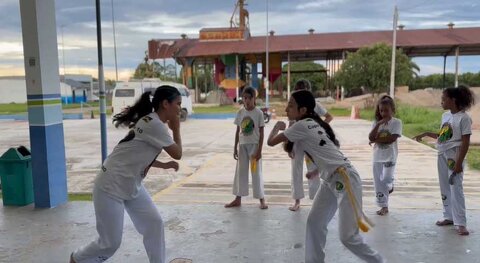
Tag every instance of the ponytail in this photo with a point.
(145, 105)
(305, 98)
(132, 114)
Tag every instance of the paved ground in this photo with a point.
(212, 234)
(198, 226)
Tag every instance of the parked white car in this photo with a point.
(125, 94)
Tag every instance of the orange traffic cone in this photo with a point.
(355, 113)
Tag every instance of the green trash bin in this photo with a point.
(16, 177)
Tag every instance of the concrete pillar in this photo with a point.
(457, 54)
(44, 102)
(237, 78)
(288, 76)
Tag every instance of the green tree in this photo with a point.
(148, 69)
(316, 76)
(436, 80)
(369, 67)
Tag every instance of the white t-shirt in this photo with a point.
(124, 169)
(311, 138)
(453, 127)
(383, 152)
(249, 123)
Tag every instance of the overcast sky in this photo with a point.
(137, 21)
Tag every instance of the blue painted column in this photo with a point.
(44, 102)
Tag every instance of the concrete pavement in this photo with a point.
(198, 227)
(213, 234)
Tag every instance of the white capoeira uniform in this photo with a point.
(454, 126)
(297, 168)
(384, 161)
(341, 189)
(118, 187)
(250, 123)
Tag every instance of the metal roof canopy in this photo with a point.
(321, 46)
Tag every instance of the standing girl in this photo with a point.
(297, 159)
(385, 132)
(118, 186)
(341, 185)
(249, 134)
(453, 141)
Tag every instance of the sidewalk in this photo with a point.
(213, 234)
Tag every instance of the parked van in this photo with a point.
(125, 94)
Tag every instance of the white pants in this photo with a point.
(383, 177)
(333, 195)
(452, 195)
(240, 182)
(109, 212)
(297, 176)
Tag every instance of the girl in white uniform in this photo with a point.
(249, 135)
(297, 159)
(384, 134)
(341, 187)
(118, 186)
(453, 142)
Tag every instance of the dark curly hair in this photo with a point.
(464, 97)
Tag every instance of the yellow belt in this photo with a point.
(362, 220)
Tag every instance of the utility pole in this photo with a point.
(114, 44)
(101, 84)
(267, 80)
(394, 47)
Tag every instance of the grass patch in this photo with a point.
(339, 112)
(16, 108)
(473, 157)
(73, 197)
(216, 109)
(418, 119)
(13, 108)
(80, 197)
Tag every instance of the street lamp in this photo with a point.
(114, 44)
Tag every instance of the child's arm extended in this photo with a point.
(462, 152)
(258, 155)
(167, 165)
(419, 137)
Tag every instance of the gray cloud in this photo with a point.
(139, 21)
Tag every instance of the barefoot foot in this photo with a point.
(382, 211)
(234, 203)
(444, 222)
(461, 230)
(294, 207)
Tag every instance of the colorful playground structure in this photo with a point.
(235, 54)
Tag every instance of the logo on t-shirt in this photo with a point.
(247, 125)
(446, 133)
(383, 134)
(339, 186)
(451, 164)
